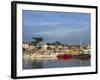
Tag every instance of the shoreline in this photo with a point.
(54, 56)
(39, 56)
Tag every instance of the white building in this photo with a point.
(31, 47)
(48, 45)
(25, 46)
(28, 46)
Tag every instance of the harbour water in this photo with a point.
(29, 63)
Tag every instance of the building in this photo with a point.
(25, 46)
(48, 46)
(31, 47)
(28, 46)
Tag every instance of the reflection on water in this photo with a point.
(53, 63)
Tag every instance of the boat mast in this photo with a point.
(80, 44)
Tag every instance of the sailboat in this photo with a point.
(84, 54)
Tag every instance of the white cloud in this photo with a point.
(61, 32)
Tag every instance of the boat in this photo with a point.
(84, 55)
(64, 56)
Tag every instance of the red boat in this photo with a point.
(64, 56)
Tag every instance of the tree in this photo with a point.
(24, 49)
(49, 48)
(58, 43)
(36, 40)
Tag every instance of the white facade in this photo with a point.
(31, 47)
(25, 45)
(45, 46)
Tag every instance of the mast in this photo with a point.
(81, 45)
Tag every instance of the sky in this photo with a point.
(66, 27)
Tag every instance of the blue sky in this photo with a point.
(66, 27)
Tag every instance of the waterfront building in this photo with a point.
(28, 46)
(25, 46)
(31, 47)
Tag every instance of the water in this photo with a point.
(53, 63)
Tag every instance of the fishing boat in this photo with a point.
(84, 55)
(64, 56)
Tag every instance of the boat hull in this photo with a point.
(64, 56)
(83, 56)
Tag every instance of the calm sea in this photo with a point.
(53, 63)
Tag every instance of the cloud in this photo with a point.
(56, 26)
(61, 33)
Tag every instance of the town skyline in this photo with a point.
(66, 27)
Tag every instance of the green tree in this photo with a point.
(36, 40)
(57, 43)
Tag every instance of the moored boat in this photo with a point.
(64, 56)
(84, 55)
